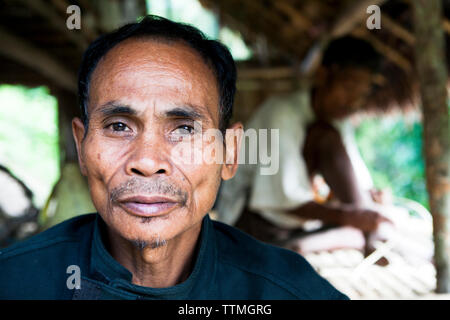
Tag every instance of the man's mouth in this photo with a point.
(147, 206)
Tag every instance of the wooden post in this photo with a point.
(67, 110)
(70, 196)
(432, 71)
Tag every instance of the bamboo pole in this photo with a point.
(432, 71)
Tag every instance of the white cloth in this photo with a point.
(290, 187)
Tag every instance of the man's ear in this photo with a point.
(78, 131)
(233, 140)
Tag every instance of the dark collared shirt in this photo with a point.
(229, 264)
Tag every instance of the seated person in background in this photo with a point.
(314, 138)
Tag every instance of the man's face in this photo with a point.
(144, 99)
(343, 92)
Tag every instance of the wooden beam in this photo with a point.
(272, 26)
(432, 70)
(20, 51)
(350, 16)
(299, 20)
(266, 73)
(397, 29)
(390, 53)
(56, 21)
(255, 85)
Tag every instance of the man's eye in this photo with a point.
(184, 129)
(118, 126)
(182, 132)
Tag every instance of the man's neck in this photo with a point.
(161, 267)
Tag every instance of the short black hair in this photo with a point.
(214, 53)
(351, 52)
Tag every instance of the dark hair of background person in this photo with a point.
(215, 55)
(351, 52)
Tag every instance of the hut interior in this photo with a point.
(287, 39)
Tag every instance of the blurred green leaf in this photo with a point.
(392, 150)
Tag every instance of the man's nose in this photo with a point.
(148, 159)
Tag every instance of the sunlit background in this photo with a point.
(29, 137)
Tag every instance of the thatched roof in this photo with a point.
(287, 32)
(38, 48)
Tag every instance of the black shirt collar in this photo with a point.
(104, 268)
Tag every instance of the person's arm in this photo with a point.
(344, 215)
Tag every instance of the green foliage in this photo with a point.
(29, 137)
(392, 150)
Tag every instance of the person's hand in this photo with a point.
(366, 220)
(381, 196)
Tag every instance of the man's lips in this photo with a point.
(145, 206)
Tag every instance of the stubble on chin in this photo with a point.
(156, 243)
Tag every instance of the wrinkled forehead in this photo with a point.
(149, 70)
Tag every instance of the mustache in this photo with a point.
(137, 186)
